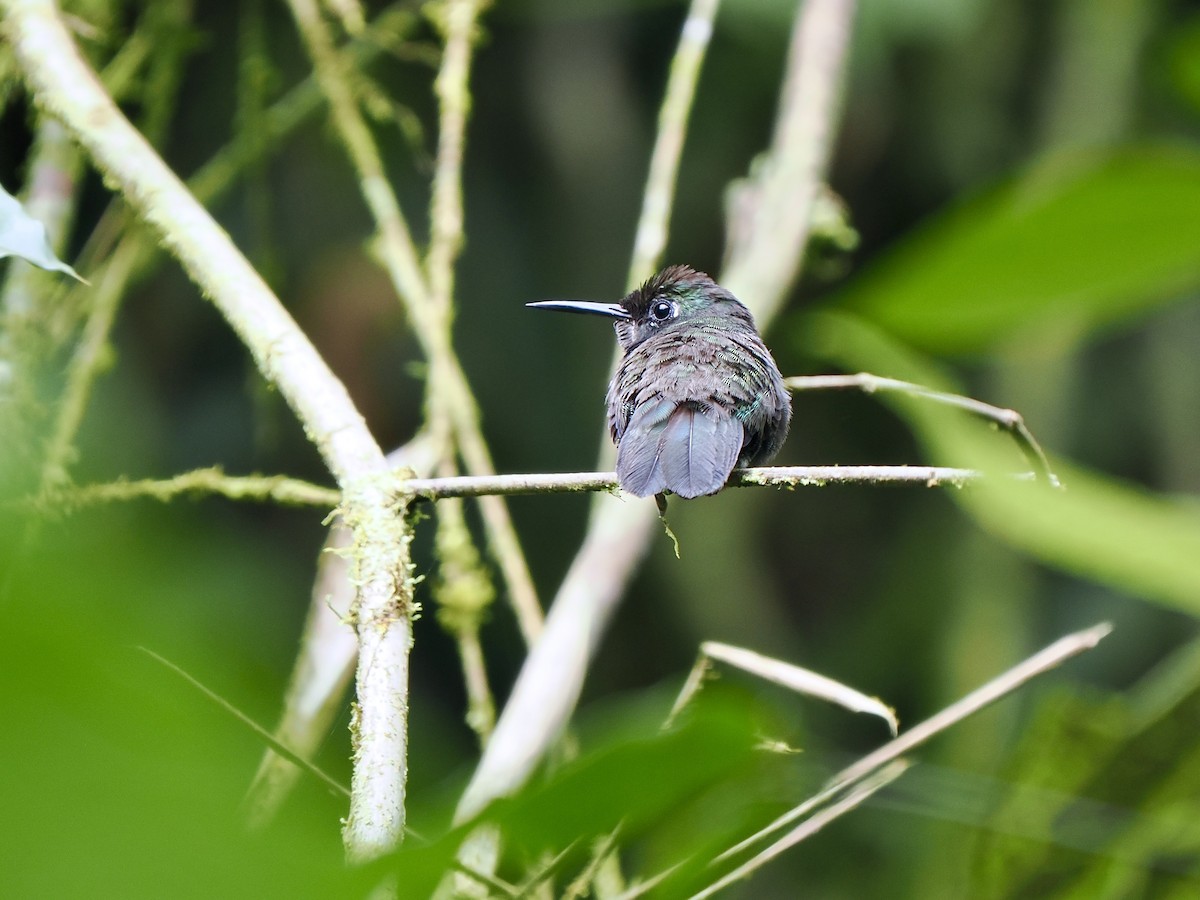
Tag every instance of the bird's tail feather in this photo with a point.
(686, 448)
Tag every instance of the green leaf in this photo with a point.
(1182, 55)
(1076, 239)
(24, 237)
(642, 779)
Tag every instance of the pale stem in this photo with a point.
(774, 209)
(325, 664)
(457, 19)
(618, 536)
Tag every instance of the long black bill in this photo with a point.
(612, 310)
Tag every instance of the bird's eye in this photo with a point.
(662, 310)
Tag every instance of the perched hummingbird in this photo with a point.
(696, 392)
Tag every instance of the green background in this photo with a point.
(1024, 178)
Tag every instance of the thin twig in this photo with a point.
(673, 117)
(1041, 662)
(809, 827)
(294, 492)
(769, 476)
(1038, 664)
(796, 678)
(265, 736)
(1008, 419)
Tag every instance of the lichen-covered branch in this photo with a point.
(199, 482)
(457, 20)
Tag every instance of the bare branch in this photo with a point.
(1038, 664)
(1008, 419)
(796, 678)
(767, 476)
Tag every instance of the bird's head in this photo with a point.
(668, 300)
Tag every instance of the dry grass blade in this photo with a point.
(798, 679)
(1040, 663)
(809, 827)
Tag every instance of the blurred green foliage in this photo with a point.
(1024, 177)
(1077, 239)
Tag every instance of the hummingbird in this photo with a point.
(696, 392)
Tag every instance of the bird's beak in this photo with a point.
(612, 310)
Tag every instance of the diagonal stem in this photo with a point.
(399, 257)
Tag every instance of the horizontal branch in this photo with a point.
(772, 476)
(264, 488)
(295, 492)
